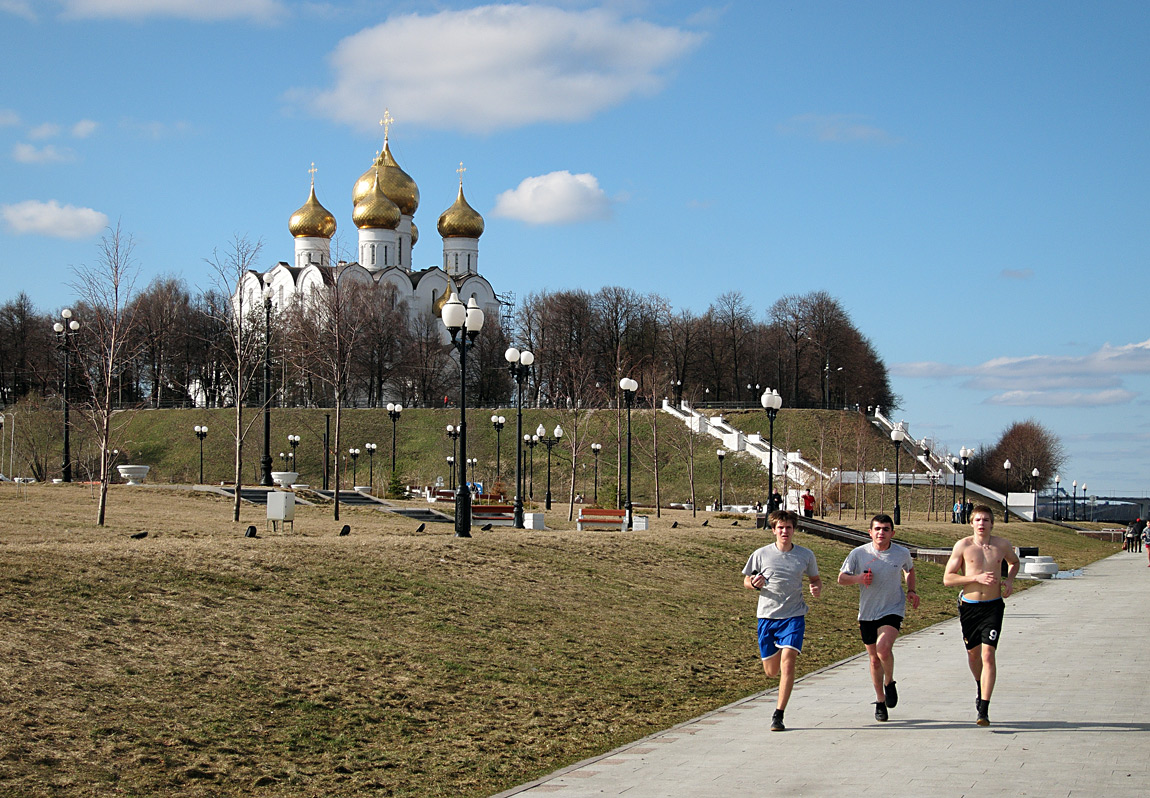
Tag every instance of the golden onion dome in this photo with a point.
(375, 210)
(312, 220)
(460, 220)
(437, 306)
(414, 234)
(396, 183)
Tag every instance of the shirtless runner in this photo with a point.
(975, 565)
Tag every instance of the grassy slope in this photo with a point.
(197, 662)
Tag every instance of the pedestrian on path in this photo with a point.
(1146, 540)
(878, 568)
(975, 565)
(776, 572)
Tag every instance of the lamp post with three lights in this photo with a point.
(464, 324)
(519, 363)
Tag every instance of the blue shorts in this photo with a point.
(776, 633)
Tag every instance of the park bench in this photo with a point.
(599, 517)
(497, 514)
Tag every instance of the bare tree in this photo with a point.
(106, 290)
(232, 309)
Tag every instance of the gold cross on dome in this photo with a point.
(460, 171)
(312, 172)
(385, 123)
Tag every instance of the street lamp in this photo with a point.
(393, 411)
(771, 402)
(629, 387)
(371, 447)
(954, 462)
(1084, 502)
(453, 433)
(1034, 487)
(1057, 481)
(1073, 500)
(596, 448)
(201, 433)
(1006, 498)
(519, 364)
(464, 324)
(897, 436)
(721, 453)
(266, 460)
(497, 422)
(354, 466)
(965, 454)
(531, 441)
(451, 471)
(293, 441)
(549, 442)
(472, 461)
(65, 332)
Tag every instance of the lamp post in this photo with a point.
(498, 422)
(965, 454)
(595, 449)
(201, 433)
(472, 461)
(519, 363)
(531, 441)
(393, 411)
(1073, 500)
(354, 453)
(293, 441)
(453, 433)
(1034, 487)
(464, 324)
(549, 443)
(897, 436)
(925, 445)
(451, 470)
(65, 332)
(370, 447)
(1006, 498)
(1057, 481)
(266, 460)
(771, 402)
(721, 453)
(1084, 503)
(629, 387)
(954, 461)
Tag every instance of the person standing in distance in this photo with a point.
(975, 565)
(878, 569)
(776, 572)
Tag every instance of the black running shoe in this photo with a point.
(777, 721)
(891, 693)
(983, 713)
(880, 711)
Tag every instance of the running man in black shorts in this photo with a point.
(975, 565)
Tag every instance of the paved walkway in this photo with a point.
(1070, 715)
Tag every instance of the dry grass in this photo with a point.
(197, 662)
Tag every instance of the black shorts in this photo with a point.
(981, 622)
(870, 629)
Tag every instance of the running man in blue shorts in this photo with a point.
(776, 571)
(975, 565)
(878, 569)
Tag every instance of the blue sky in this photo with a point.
(970, 179)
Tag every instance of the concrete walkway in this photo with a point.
(1070, 715)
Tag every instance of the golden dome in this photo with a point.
(312, 220)
(396, 183)
(460, 220)
(375, 210)
(437, 306)
(414, 234)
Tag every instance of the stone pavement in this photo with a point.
(1070, 715)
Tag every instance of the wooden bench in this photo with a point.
(597, 517)
(497, 514)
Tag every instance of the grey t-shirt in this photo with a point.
(782, 594)
(884, 596)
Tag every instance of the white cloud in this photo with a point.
(1017, 274)
(47, 130)
(497, 66)
(49, 153)
(19, 8)
(198, 10)
(52, 219)
(555, 198)
(1062, 398)
(8, 118)
(836, 128)
(84, 128)
(156, 131)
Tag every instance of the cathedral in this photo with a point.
(384, 201)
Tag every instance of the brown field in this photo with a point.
(197, 662)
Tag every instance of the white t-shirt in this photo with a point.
(883, 596)
(782, 594)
